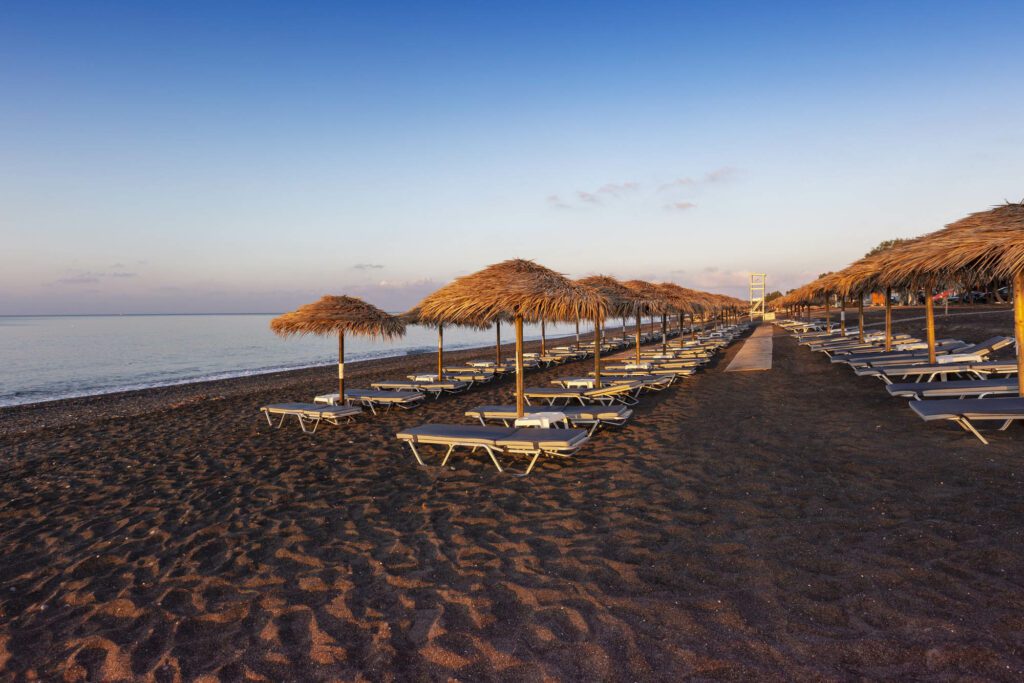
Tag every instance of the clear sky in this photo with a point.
(199, 157)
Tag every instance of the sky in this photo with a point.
(250, 157)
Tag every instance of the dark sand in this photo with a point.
(791, 524)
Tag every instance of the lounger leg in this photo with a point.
(448, 454)
(490, 452)
(966, 424)
(415, 453)
(1005, 425)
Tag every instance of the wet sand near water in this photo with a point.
(796, 523)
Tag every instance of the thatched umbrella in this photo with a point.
(683, 301)
(647, 299)
(987, 244)
(877, 272)
(618, 300)
(517, 288)
(339, 315)
(414, 316)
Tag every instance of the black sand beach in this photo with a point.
(791, 524)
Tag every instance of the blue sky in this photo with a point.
(169, 157)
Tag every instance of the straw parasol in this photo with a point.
(520, 289)
(618, 302)
(414, 316)
(683, 300)
(339, 315)
(647, 299)
(987, 244)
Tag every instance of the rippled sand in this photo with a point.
(797, 523)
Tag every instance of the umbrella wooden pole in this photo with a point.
(842, 315)
(828, 313)
(1018, 326)
(860, 320)
(664, 333)
(341, 368)
(577, 334)
(497, 343)
(693, 328)
(440, 353)
(888, 318)
(929, 315)
(638, 323)
(543, 339)
(597, 354)
(520, 404)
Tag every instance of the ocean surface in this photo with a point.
(43, 358)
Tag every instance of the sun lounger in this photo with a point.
(375, 398)
(471, 375)
(968, 353)
(648, 369)
(309, 413)
(975, 388)
(529, 441)
(625, 392)
(468, 372)
(591, 416)
(930, 373)
(433, 388)
(650, 382)
(877, 357)
(964, 411)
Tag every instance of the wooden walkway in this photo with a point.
(756, 352)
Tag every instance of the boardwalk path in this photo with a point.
(756, 353)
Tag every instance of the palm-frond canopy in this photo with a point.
(510, 289)
(339, 314)
(647, 299)
(984, 245)
(618, 298)
(683, 300)
(414, 316)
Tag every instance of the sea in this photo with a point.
(47, 358)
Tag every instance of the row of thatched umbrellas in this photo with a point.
(982, 247)
(514, 291)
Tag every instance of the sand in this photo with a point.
(796, 523)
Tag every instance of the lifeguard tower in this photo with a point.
(758, 281)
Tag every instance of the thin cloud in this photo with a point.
(88, 277)
(617, 189)
(721, 175)
(368, 266)
(678, 182)
(78, 280)
(588, 197)
(680, 206)
(555, 201)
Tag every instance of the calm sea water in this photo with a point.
(43, 358)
